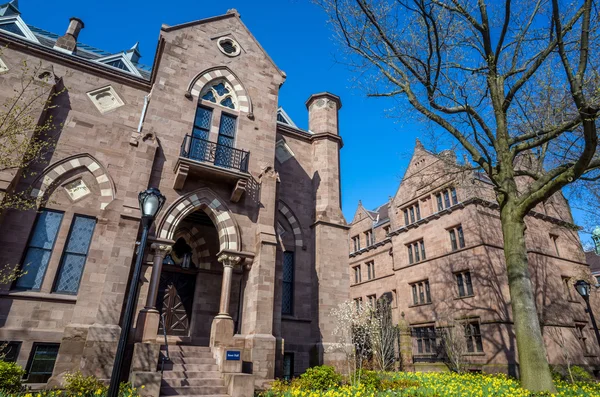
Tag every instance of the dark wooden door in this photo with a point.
(175, 300)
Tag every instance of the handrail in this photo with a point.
(221, 155)
(167, 357)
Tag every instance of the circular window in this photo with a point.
(228, 46)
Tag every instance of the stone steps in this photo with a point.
(191, 371)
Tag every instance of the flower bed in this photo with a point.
(437, 384)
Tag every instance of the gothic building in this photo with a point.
(434, 250)
(239, 258)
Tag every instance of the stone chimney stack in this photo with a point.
(323, 113)
(68, 42)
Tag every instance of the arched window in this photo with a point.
(221, 93)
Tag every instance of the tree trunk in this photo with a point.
(533, 363)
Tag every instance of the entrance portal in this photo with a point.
(175, 300)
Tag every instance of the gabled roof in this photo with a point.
(593, 260)
(282, 117)
(231, 13)
(12, 24)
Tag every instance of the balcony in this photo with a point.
(210, 160)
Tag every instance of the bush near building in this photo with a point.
(430, 384)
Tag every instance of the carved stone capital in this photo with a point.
(229, 260)
(161, 249)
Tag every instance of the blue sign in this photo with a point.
(232, 355)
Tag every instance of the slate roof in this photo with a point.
(48, 39)
(593, 260)
(381, 214)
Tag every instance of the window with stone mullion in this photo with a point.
(288, 283)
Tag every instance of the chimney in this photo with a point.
(68, 42)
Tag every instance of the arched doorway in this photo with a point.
(190, 292)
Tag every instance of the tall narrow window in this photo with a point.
(465, 286)
(421, 293)
(356, 243)
(358, 303)
(9, 351)
(39, 249)
(580, 333)
(288, 283)
(369, 237)
(288, 366)
(418, 210)
(410, 254)
(422, 244)
(198, 146)
(439, 201)
(461, 237)
(417, 256)
(406, 217)
(41, 362)
(412, 214)
(425, 340)
(453, 240)
(75, 254)
(454, 198)
(446, 199)
(225, 141)
(372, 300)
(567, 287)
(371, 270)
(473, 336)
(357, 275)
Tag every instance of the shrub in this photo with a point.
(10, 377)
(319, 378)
(581, 375)
(369, 379)
(76, 383)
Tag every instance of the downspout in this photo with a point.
(144, 109)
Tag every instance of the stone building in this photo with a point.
(239, 257)
(435, 250)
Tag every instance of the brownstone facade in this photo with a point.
(436, 250)
(240, 257)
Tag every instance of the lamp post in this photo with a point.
(583, 288)
(151, 201)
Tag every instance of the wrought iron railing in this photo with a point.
(165, 356)
(220, 155)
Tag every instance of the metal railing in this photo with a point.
(218, 154)
(165, 356)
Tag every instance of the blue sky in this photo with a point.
(296, 35)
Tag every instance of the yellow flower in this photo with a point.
(142, 387)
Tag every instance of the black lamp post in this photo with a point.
(583, 288)
(151, 201)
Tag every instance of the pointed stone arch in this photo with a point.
(208, 201)
(293, 221)
(48, 178)
(221, 72)
(199, 246)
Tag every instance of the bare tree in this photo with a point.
(556, 334)
(515, 82)
(454, 343)
(385, 335)
(25, 128)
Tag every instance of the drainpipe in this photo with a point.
(143, 116)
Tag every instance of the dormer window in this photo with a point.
(12, 27)
(118, 63)
(220, 93)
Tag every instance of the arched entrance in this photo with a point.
(199, 283)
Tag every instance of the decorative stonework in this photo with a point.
(105, 99)
(293, 221)
(202, 79)
(3, 67)
(76, 189)
(229, 46)
(206, 200)
(51, 175)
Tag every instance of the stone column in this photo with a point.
(221, 332)
(149, 318)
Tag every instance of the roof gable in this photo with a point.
(232, 13)
(361, 213)
(12, 23)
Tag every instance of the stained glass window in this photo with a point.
(220, 92)
(39, 249)
(288, 283)
(75, 254)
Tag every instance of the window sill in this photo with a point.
(421, 304)
(464, 297)
(287, 317)
(474, 354)
(32, 295)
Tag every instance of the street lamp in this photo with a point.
(583, 288)
(151, 201)
(596, 238)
